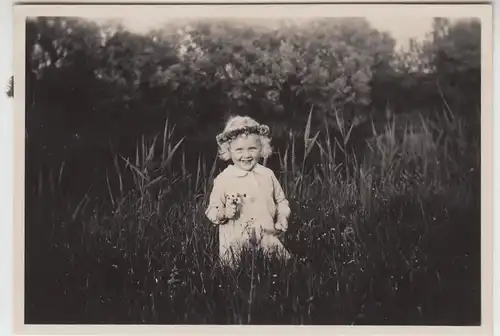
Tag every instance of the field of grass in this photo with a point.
(391, 238)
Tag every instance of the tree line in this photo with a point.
(91, 85)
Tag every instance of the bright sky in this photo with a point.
(401, 28)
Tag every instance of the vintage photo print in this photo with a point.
(188, 168)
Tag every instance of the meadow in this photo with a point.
(387, 235)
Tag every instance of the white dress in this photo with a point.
(262, 203)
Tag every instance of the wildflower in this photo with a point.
(235, 199)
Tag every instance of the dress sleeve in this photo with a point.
(282, 205)
(216, 205)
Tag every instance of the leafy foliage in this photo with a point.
(444, 66)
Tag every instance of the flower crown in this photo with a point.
(230, 135)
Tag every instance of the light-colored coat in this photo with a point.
(262, 202)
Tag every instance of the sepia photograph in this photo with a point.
(244, 168)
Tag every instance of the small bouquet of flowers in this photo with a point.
(234, 200)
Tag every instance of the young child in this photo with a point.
(247, 200)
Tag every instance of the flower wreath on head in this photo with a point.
(230, 135)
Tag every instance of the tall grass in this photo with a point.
(389, 239)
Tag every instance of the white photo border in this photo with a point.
(481, 11)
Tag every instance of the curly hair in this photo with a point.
(239, 126)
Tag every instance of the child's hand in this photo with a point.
(232, 203)
(281, 225)
(230, 211)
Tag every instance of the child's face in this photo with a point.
(245, 151)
